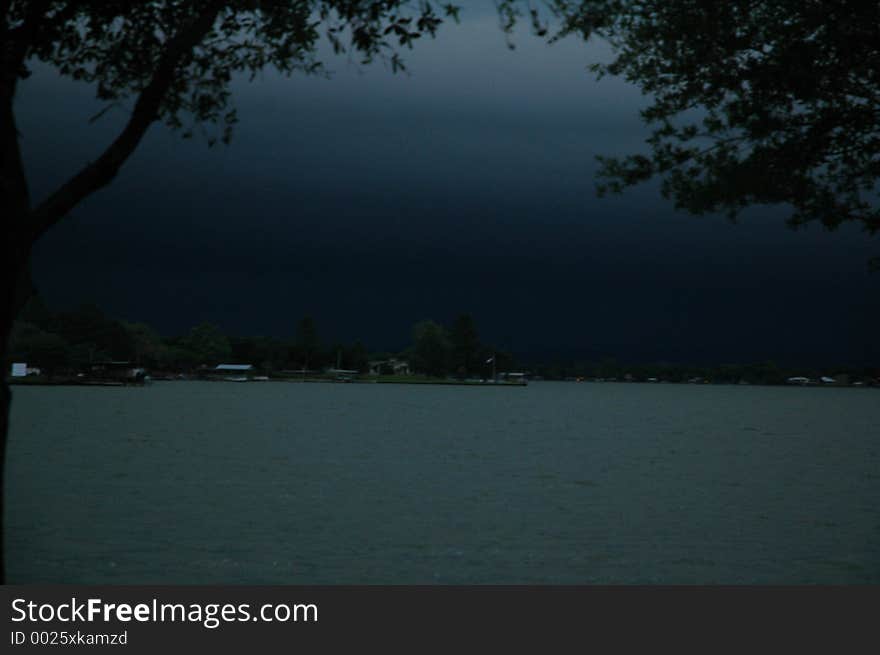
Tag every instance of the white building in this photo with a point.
(398, 366)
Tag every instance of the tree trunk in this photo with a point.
(5, 405)
(15, 285)
(14, 292)
(21, 226)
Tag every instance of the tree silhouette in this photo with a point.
(431, 349)
(208, 344)
(465, 344)
(175, 60)
(306, 342)
(752, 102)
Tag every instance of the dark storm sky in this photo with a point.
(371, 201)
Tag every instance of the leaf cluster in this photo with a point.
(118, 45)
(751, 101)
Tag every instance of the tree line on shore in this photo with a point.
(765, 373)
(75, 340)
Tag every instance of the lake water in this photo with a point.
(554, 483)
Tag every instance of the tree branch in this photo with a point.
(101, 172)
(13, 183)
(15, 44)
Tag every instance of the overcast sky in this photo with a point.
(370, 201)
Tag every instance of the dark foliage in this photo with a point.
(752, 102)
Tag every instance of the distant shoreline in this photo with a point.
(26, 382)
(31, 382)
